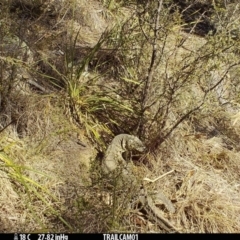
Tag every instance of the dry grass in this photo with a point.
(38, 168)
(205, 186)
(45, 173)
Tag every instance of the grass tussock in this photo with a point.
(36, 170)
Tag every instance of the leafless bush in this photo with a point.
(163, 70)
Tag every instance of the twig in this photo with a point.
(6, 126)
(154, 180)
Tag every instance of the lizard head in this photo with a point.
(135, 143)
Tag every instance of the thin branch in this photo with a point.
(154, 56)
(154, 180)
